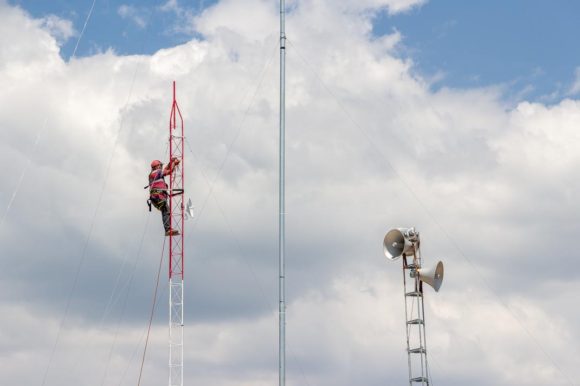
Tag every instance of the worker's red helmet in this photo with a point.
(155, 164)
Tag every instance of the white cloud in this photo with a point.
(170, 6)
(393, 6)
(32, 52)
(228, 19)
(575, 88)
(183, 16)
(61, 29)
(137, 16)
(491, 189)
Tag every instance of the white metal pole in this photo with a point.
(281, 200)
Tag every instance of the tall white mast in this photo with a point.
(281, 193)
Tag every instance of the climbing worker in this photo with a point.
(158, 191)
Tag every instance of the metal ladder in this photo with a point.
(415, 321)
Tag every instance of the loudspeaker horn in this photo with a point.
(432, 276)
(398, 241)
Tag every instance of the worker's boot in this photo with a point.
(172, 232)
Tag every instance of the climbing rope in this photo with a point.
(154, 302)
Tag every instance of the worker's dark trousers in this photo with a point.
(163, 206)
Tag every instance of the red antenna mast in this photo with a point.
(176, 210)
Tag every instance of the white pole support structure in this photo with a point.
(176, 208)
(405, 243)
(415, 319)
(281, 200)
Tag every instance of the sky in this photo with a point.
(460, 119)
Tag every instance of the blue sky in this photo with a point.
(108, 28)
(477, 43)
(527, 47)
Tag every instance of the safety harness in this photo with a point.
(157, 190)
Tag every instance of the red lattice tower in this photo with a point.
(176, 208)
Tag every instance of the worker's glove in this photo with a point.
(176, 160)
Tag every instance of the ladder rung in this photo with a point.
(416, 294)
(415, 321)
(418, 350)
(420, 379)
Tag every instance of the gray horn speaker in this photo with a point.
(432, 276)
(398, 241)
